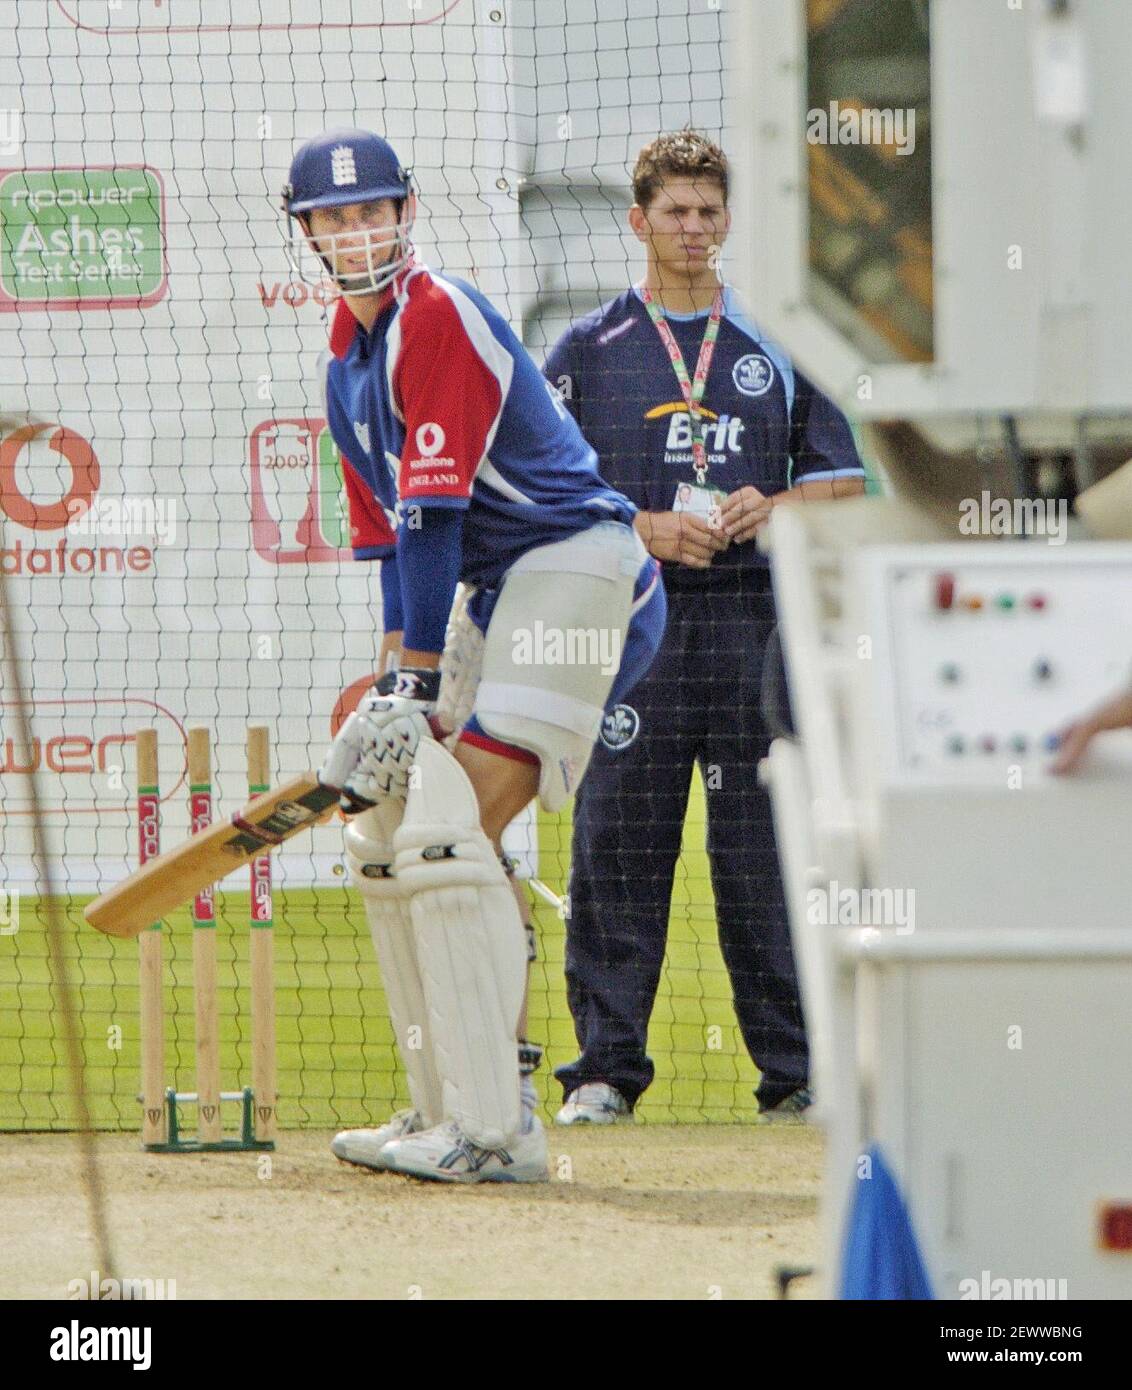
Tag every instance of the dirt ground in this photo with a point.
(631, 1212)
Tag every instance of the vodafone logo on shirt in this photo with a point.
(429, 440)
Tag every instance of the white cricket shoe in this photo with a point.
(595, 1103)
(364, 1146)
(446, 1154)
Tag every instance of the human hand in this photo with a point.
(373, 751)
(744, 513)
(1076, 737)
(680, 537)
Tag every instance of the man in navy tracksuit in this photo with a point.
(705, 425)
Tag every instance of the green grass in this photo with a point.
(336, 1058)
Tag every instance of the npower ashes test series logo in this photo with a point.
(299, 511)
(82, 238)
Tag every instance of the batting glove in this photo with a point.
(370, 758)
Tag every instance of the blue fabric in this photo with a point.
(699, 702)
(428, 558)
(776, 354)
(733, 311)
(392, 611)
(540, 482)
(881, 1260)
(767, 425)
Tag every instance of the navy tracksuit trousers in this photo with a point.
(699, 702)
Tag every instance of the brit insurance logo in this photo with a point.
(299, 513)
(82, 238)
(722, 433)
(753, 374)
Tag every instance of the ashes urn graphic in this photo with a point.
(297, 498)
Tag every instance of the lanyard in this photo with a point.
(692, 389)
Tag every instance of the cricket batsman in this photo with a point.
(461, 467)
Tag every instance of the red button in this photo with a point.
(944, 591)
(1116, 1227)
(1037, 600)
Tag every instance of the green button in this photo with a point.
(955, 744)
(1005, 600)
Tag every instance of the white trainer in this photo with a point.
(595, 1103)
(446, 1154)
(364, 1146)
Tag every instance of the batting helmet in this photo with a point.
(344, 166)
(335, 169)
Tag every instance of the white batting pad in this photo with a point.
(553, 648)
(369, 852)
(470, 946)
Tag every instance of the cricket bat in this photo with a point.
(175, 877)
